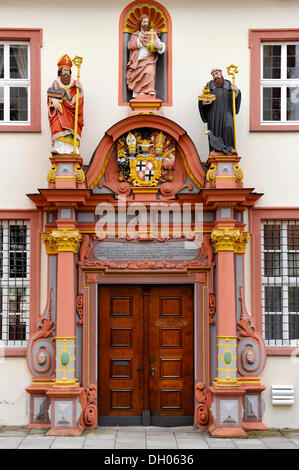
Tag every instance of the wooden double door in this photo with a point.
(146, 371)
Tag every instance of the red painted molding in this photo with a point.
(256, 37)
(34, 216)
(10, 352)
(34, 37)
(256, 215)
(169, 51)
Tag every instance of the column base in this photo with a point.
(65, 410)
(227, 432)
(226, 410)
(39, 403)
(254, 426)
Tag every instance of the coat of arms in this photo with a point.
(147, 158)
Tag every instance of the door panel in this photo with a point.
(146, 353)
(120, 351)
(171, 351)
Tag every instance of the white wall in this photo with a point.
(205, 34)
(14, 377)
(281, 371)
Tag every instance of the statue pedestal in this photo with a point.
(145, 104)
(224, 171)
(67, 172)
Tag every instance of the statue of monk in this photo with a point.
(218, 114)
(144, 46)
(61, 108)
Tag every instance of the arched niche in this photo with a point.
(161, 21)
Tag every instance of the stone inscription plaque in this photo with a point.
(174, 250)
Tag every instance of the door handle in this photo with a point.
(152, 372)
(139, 368)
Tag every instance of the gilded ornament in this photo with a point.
(211, 174)
(239, 175)
(230, 240)
(158, 19)
(61, 240)
(80, 176)
(51, 176)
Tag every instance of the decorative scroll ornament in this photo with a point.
(202, 410)
(145, 160)
(80, 176)
(52, 174)
(88, 398)
(251, 350)
(211, 174)
(212, 307)
(239, 175)
(158, 20)
(80, 307)
(41, 347)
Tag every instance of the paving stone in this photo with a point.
(10, 442)
(192, 444)
(279, 443)
(36, 442)
(99, 445)
(130, 445)
(250, 444)
(64, 442)
(38, 431)
(219, 443)
(131, 435)
(99, 437)
(268, 433)
(14, 431)
(161, 446)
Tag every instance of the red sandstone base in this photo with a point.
(227, 432)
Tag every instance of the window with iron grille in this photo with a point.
(14, 282)
(280, 282)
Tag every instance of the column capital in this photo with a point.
(64, 239)
(229, 239)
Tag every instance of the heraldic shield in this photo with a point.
(145, 159)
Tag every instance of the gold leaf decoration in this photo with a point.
(157, 18)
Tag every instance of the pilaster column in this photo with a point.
(226, 390)
(64, 242)
(225, 242)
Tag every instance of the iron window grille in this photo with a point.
(14, 282)
(280, 282)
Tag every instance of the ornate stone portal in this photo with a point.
(132, 218)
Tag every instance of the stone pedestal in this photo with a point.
(66, 172)
(224, 171)
(64, 411)
(145, 104)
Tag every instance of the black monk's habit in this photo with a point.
(219, 114)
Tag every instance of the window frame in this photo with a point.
(34, 219)
(32, 37)
(256, 217)
(257, 37)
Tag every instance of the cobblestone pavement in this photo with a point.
(186, 437)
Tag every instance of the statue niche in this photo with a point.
(145, 53)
